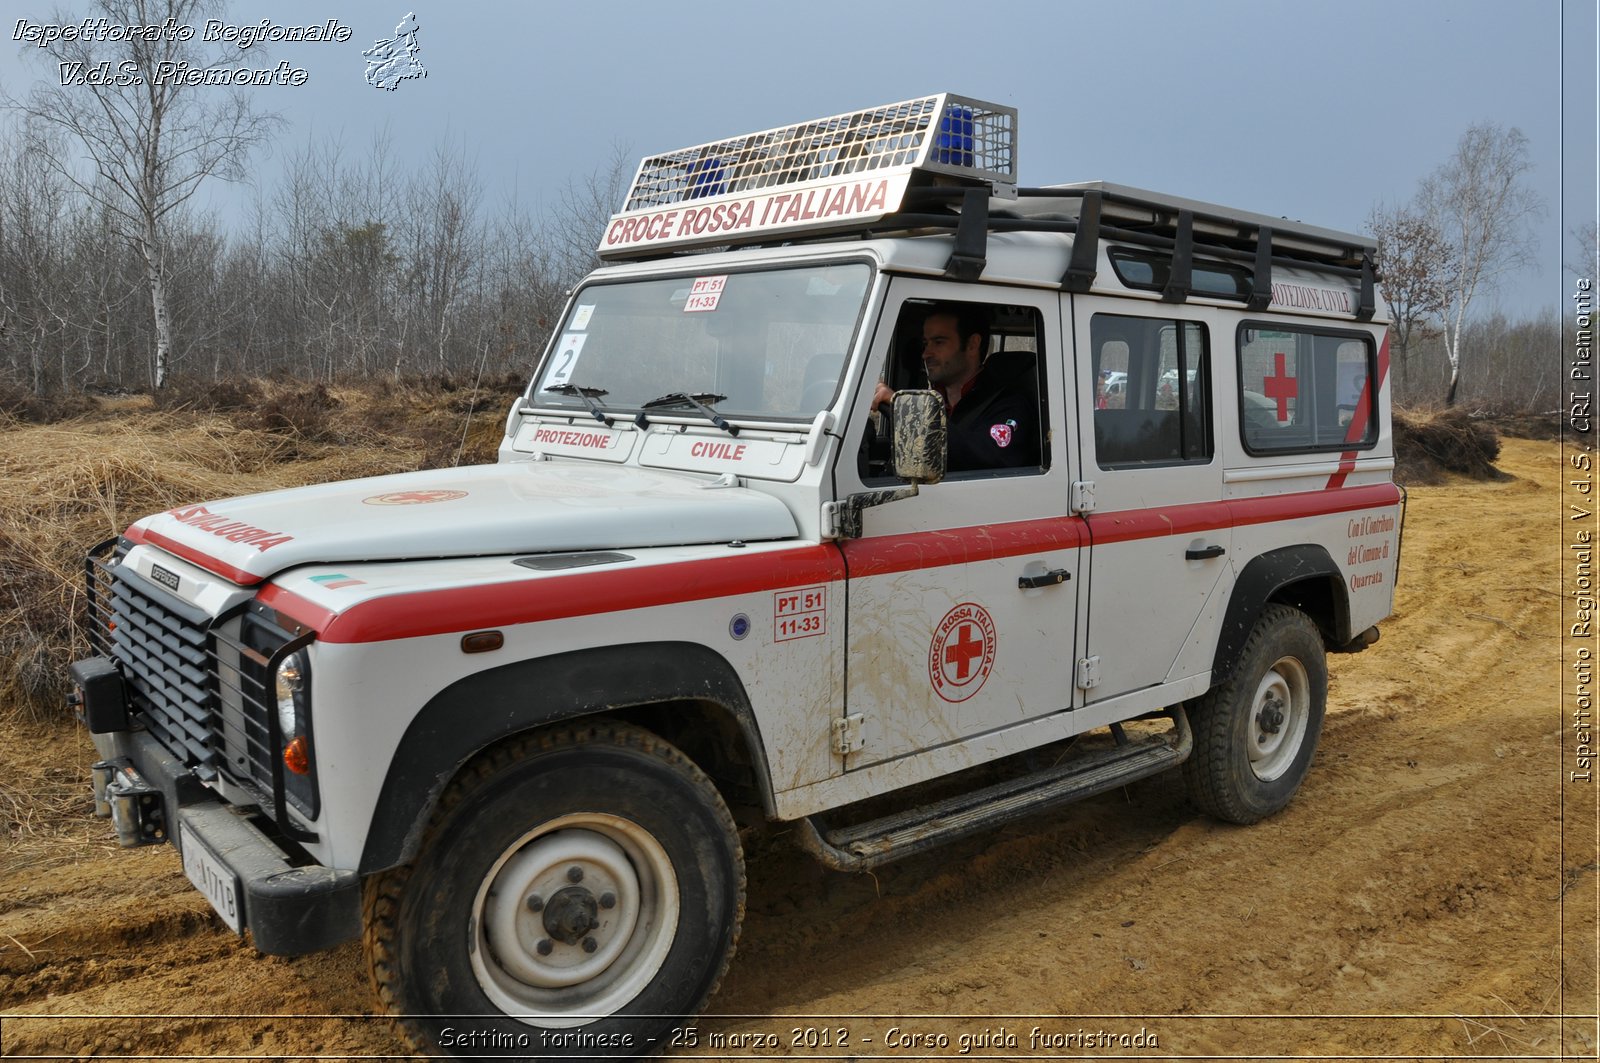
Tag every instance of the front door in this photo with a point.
(962, 601)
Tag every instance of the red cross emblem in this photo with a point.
(968, 645)
(962, 652)
(1281, 386)
(413, 498)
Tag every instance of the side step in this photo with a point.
(879, 841)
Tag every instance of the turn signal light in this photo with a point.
(482, 642)
(297, 756)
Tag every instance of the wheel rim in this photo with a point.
(1279, 715)
(574, 920)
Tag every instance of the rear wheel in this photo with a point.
(578, 892)
(1255, 735)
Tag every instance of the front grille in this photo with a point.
(164, 649)
(200, 685)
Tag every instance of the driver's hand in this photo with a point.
(882, 396)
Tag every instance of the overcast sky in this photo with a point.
(1314, 111)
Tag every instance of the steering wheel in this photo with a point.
(876, 460)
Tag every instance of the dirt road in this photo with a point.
(1407, 904)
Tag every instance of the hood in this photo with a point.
(522, 507)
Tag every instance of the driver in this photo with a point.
(993, 420)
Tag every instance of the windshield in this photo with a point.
(766, 344)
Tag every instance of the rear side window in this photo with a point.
(1152, 391)
(1149, 271)
(1305, 389)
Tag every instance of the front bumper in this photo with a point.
(289, 907)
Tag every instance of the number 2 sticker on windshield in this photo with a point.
(566, 358)
(705, 294)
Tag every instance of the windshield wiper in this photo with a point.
(588, 395)
(697, 400)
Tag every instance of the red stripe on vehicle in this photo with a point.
(1270, 508)
(439, 612)
(193, 556)
(448, 610)
(1358, 419)
(883, 555)
(1130, 525)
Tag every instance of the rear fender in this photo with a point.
(1303, 576)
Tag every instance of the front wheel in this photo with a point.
(1255, 734)
(579, 891)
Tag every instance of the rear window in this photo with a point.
(1152, 391)
(1305, 389)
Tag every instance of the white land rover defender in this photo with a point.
(507, 723)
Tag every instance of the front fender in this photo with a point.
(481, 709)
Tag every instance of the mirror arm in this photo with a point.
(847, 514)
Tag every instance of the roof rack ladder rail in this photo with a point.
(1084, 264)
(1261, 283)
(967, 261)
(1180, 280)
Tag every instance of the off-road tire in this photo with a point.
(453, 961)
(1241, 771)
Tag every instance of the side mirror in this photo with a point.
(920, 436)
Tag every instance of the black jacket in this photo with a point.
(996, 424)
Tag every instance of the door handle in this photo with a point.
(1053, 578)
(1204, 553)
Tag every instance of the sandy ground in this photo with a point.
(1409, 904)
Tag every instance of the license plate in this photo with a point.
(212, 878)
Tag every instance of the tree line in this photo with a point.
(347, 266)
(110, 278)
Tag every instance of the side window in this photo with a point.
(1305, 389)
(987, 360)
(1152, 391)
(1150, 270)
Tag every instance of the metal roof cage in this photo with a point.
(820, 176)
(945, 134)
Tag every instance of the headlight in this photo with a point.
(275, 689)
(290, 681)
(290, 688)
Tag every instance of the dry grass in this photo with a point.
(67, 485)
(45, 807)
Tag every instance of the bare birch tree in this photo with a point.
(149, 139)
(1415, 262)
(1478, 203)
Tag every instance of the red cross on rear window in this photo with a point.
(1281, 386)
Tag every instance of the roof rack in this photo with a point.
(1097, 210)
